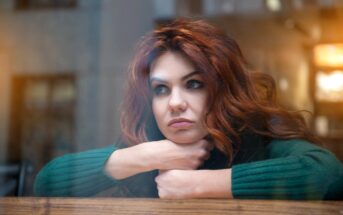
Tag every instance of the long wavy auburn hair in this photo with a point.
(239, 100)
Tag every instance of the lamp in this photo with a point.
(328, 58)
(329, 86)
(329, 55)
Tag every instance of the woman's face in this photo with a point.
(179, 97)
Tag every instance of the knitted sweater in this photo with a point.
(281, 169)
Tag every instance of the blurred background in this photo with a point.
(63, 67)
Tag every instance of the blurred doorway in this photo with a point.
(42, 119)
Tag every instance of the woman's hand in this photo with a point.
(176, 184)
(166, 155)
(162, 155)
(182, 184)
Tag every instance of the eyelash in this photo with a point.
(158, 89)
(190, 84)
(199, 84)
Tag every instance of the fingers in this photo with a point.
(208, 147)
(201, 150)
(184, 156)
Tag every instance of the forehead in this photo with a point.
(171, 65)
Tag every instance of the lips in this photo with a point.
(180, 123)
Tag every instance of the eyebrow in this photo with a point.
(183, 78)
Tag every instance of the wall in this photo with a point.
(123, 23)
(271, 48)
(94, 41)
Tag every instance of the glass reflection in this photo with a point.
(329, 86)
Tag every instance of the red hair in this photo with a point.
(239, 100)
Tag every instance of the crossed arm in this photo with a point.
(294, 169)
(177, 164)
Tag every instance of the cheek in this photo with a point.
(156, 110)
(153, 106)
(200, 103)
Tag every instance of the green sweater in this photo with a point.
(282, 169)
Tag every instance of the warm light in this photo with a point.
(273, 5)
(283, 84)
(322, 125)
(330, 86)
(329, 55)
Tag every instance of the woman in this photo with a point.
(196, 123)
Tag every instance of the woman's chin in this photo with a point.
(184, 139)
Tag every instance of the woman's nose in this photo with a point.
(176, 102)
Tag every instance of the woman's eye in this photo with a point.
(160, 90)
(194, 84)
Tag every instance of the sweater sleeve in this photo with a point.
(295, 169)
(80, 174)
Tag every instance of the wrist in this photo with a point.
(151, 155)
(146, 154)
(213, 183)
(126, 162)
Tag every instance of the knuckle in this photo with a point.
(202, 153)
